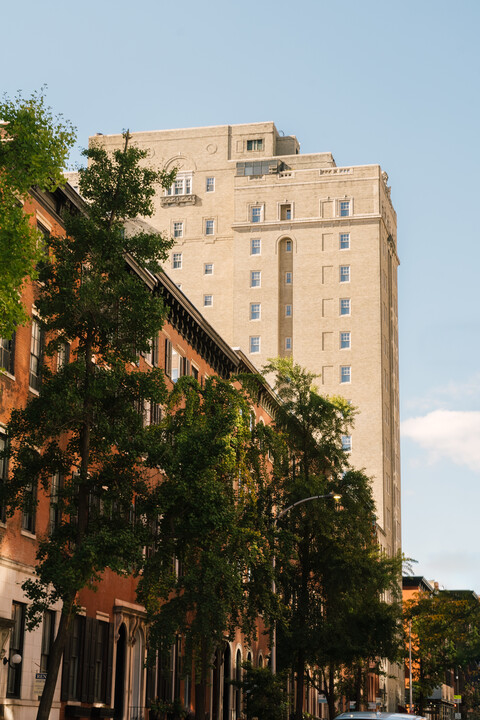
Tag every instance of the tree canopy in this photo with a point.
(85, 429)
(330, 569)
(34, 147)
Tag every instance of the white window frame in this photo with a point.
(178, 229)
(341, 209)
(288, 246)
(182, 185)
(288, 343)
(254, 344)
(210, 184)
(345, 374)
(208, 269)
(177, 261)
(344, 271)
(208, 300)
(288, 310)
(347, 443)
(349, 301)
(255, 278)
(344, 238)
(254, 248)
(345, 337)
(209, 226)
(261, 213)
(258, 313)
(289, 277)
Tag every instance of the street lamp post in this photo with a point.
(334, 496)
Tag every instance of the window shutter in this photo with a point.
(108, 676)
(168, 358)
(88, 661)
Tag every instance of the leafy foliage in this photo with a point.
(211, 522)
(265, 694)
(331, 571)
(34, 146)
(86, 426)
(445, 632)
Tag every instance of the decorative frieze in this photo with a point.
(168, 200)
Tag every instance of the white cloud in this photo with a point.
(447, 434)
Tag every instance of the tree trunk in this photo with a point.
(55, 658)
(331, 692)
(358, 687)
(201, 684)
(300, 684)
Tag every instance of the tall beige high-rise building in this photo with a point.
(288, 254)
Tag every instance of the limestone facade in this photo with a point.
(286, 253)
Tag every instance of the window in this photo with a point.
(288, 343)
(3, 474)
(255, 344)
(207, 300)
(63, 354)
(7, 354)
(177, 261)
(346, 443)
(210, 184)
(256, 213)
(48, 636)
(87, 661)
(36, 352)
(209, 227)
(182, 185)
(345, 306)
(255, 311)
(345, 374)
(286, 211)
(288, 246)
(344, 273)
(14, 679)
(256, 144)
(344, 241)
(208, 269)
(255, 278)
(344, 208)
(55, 512)
(29, 508)
(178, 229)
(288, 278)
(255, 246)
(288, 311)
(155, 413)
(344, 340)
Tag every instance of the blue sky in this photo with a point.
(392, 82)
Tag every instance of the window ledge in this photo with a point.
(28, 534)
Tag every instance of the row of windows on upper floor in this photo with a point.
(256, 275)
(255, 310)
(256, 215)
(256, 249)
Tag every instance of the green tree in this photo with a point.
(211, 520)
(445, 633)
(34, 146)
(86, 425)
(265, 694)
(330, 571)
